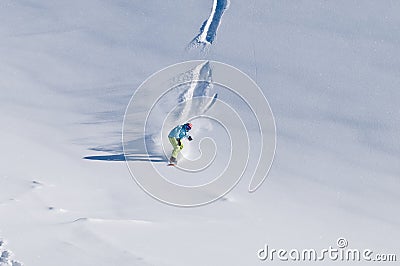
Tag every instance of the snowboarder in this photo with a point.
(175, 138)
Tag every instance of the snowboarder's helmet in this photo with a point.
(188, 126)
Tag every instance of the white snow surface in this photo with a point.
(330, 70)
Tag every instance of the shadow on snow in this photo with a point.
(121, 157)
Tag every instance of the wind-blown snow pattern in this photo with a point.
(208, 30)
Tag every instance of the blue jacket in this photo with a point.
(179, 132)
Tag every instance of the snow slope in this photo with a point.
(330, 71)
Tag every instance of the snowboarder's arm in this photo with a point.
(183, 133)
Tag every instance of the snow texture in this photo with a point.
(330, 70)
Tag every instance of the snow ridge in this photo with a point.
(208, 30)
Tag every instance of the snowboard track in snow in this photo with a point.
(190, 90)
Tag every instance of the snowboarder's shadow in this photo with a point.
(121, 157)
(118, 156)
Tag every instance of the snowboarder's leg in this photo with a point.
(177, 148)
(172, 160)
